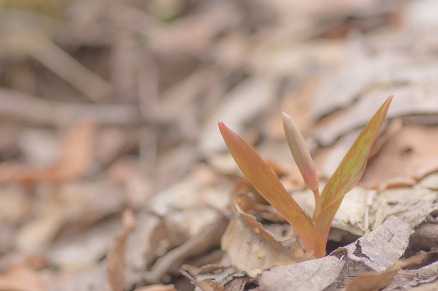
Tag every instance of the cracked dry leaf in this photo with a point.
(251, 248)
(382, 247)
(313, 275)
(375, 251)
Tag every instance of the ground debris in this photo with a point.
(114, 105)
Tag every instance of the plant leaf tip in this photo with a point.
(300, 152)
(222, 126)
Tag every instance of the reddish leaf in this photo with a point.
(269, 186)
(349, 171)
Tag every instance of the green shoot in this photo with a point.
(312, 232)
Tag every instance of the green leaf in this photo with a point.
(349, 171)
(269, 186)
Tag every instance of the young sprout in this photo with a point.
(312, 232)
(302, 157)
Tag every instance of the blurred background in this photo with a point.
(107, 105)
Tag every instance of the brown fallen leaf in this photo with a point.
(20, 278)
(116, 254)
(406, 155)
(251, 248)
(370, 281)
(75, 152)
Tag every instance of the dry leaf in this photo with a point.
(407, 155)
(116, 254)
(375, 251)
(77, 252)
(406, 102)
(370, 281)
(313, 275)
(156, 288)
(254, 95)
(204, 285)
(412, 204)
(20, 278)
(251, 248)
(421, 277)
(75, 152)
(207, 238)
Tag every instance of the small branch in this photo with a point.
(28, 108)
(69, 69)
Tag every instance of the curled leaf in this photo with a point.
(263, 249)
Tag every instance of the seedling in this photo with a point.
(314, 231)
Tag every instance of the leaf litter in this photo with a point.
(107, 106)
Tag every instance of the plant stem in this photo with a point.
(317, 204)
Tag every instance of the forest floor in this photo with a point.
(114, 176)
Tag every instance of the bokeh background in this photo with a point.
(107, 105)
